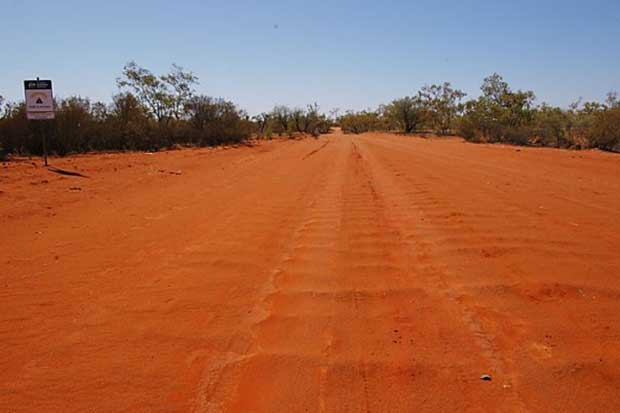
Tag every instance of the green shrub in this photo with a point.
(605, 131)
(361, 122)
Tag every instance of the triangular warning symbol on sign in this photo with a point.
(39, 101)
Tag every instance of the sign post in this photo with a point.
(39, 104)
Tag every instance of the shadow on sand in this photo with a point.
(65, 172)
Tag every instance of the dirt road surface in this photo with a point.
(372, 273)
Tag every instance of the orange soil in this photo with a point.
(373, 273)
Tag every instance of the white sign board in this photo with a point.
(39, 99)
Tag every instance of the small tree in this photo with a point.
(406, 113)
(151, 90)
(281, 116)
(580, 118)
(500, 114)
(126, 108)
(613, 100)
(442, 104)
(181, 85)
(299, 120)
(316, 123)
(261, 121)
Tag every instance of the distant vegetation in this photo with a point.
(283, 120)
(149, 112)
(499, 114)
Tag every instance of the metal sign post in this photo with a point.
(40, 104)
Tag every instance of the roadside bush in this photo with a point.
(499, 114)
(216, 121)
(73, 129)
(467, 129)
(150, 113)
(550, 127)
(310, 121)
(280, 118)
(360, 122)
(16, 134)
(293, 122)
(406, 113)
(441, 105)
(516, 135)
(605, 131)
(153, 112)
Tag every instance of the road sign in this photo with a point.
(39, 99)
(39, 104)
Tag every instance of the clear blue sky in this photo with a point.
(345, 54)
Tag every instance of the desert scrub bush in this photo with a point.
(281, 119)
(360, 122)
(294, 122)
(499, 114)
(467, 130)
(405, 113)
(261, 124)
(216, 121)
(441, 105)
(517, 135)
(605, 131)
(550, 126)
(150, 112)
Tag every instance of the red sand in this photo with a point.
(376, 273)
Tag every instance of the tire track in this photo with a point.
(276, 304)
(498, 265)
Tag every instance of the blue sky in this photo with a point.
(341, 54)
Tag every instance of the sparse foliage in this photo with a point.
(613, 100)
(149, 89)
(261, 121)
(181, 89)
(150, 113)
(281, 116)
(360, 122)
(442, 103)
(499, 114)
(293, 122)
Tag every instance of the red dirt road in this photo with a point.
(373, 273)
